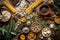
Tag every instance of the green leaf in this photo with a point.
(56, 5)
(44, 23)
(3, 30)
(13, 33)
(11, 26)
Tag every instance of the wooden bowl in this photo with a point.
(44, 10)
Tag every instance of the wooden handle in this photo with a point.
(10, 7)
(35, 4)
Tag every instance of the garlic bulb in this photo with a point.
(28, 23)
(51, 25)
(5, 16)
(23, 5)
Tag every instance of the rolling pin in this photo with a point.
(9, 6)
(31, 7)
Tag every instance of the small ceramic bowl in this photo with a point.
(23, 19)
(22, 37)
(46, 32)
(57, 20)
(31, 36)
(25, 30)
